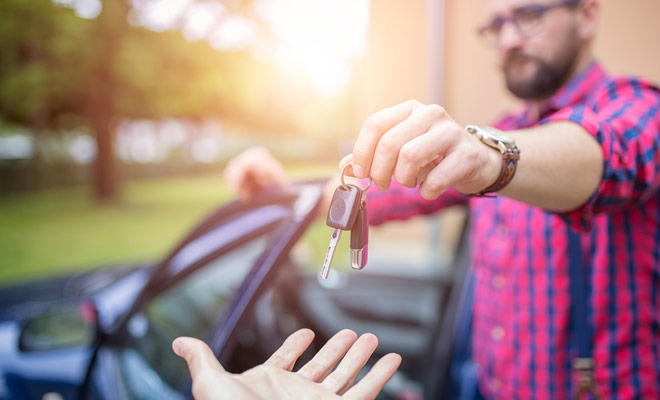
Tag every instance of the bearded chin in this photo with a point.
(547, 79)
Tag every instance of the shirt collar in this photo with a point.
(573, 92)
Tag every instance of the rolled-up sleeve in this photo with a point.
(624, 117)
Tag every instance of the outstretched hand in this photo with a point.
(421, 145)
(274, 379)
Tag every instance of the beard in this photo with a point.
(544, 80)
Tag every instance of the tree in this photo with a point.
(56, 64)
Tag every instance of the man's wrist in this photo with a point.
(507, 171)
(509, 155)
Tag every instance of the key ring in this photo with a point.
(345, 185)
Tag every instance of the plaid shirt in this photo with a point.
(522, 334)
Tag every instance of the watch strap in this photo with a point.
(509, 163)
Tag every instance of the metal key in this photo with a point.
(330, 254)
(360, 236)
(344, 209)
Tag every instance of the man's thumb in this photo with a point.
(197, 354)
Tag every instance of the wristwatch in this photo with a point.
(510, 155)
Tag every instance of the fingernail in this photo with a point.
(358, 171)
(178, 348)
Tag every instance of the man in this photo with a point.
(584, 156)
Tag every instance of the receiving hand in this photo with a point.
(420, 144)
(274, 379)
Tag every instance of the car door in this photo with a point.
(202, 289)
(411, 295)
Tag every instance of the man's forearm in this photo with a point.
(560, 167)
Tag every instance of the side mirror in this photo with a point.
(65, 327)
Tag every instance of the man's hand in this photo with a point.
(275, 380)
(422, 145)
(253, 170)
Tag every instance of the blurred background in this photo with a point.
(118, 116)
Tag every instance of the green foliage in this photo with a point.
(163, 75)
(54, 231)
(47, 232)
(54, 63)
(38, 69)
(59, 71)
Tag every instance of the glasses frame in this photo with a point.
(496, 24)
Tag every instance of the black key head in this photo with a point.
(344, 207)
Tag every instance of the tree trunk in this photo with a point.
(110, 26)
(106, 182)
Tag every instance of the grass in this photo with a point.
(54, 231)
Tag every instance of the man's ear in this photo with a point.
(588, 17)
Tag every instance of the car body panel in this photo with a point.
(31, 375)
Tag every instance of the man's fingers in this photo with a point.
(273, 175)
(372, 130)
(466, 168)
(349, 367)
(450, 171)
(372, 383)
(346, 160)
(388, 149)
(420, 155)
(234, 175)
(267, 170)
(296, 344)
(324, 361)
(252, 170)
(197, 354)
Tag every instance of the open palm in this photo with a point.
(274, 379)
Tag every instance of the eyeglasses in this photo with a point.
(527, 20)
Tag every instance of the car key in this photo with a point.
(360, 236)
(344, 209)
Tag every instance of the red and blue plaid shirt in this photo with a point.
(522, 335)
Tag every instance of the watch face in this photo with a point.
(489, 134)
(496, 134)
(492, 137)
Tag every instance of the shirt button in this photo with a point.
(495, 384)
(498, 281)
(497, 332)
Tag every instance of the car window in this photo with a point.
(225, 233)
(188, 308)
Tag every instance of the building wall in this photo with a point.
(397, 66)
(627, 43)
(393, 69)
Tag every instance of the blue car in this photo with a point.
(241, 281)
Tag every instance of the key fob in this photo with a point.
(360, 237)
(344, 207)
